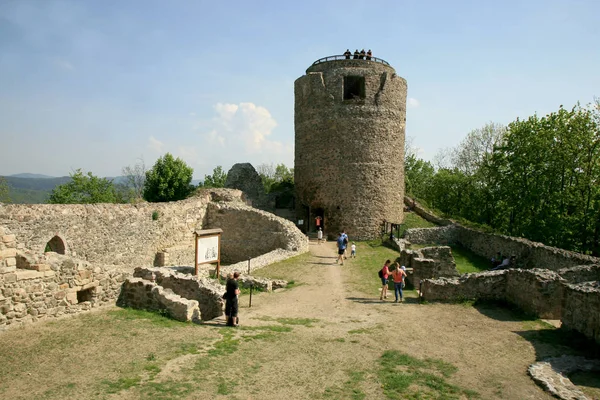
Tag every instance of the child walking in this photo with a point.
(353, 250)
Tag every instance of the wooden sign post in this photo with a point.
(208, 248)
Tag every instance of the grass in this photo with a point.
(466, 260)
(350, 389)
(406, 377)
(308, 322)
(413, 220)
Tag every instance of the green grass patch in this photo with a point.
(406, 377)
(151, 317)
(467, 261)
(227, 345)
(308, 322)
(349, 390)
(167, 390)
(372, 329)
(226, 387)
(121, 384)
(270, 328)
(413, 220)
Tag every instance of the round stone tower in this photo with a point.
(349, 117)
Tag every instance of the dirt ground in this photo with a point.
(321, 339)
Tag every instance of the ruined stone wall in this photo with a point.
(424, 213)
(249, 233)
(60, 285)
(535, 291)
(581, 309)
(126, 235)
(528, 254)
(108, 234)
(349, 153)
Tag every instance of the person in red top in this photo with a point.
(385, 273)
(398, 274)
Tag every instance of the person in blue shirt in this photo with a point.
(341, 245)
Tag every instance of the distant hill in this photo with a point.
(26, 175)
(24, 190)
(29, 188)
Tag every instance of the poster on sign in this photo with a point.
(208, 248)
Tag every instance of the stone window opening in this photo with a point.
(85, 295)
(354, 87)
(56, 244)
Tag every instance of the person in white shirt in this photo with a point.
(319, 235)
(353, 250)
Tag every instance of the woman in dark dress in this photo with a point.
(232, 290)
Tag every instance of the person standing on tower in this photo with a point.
(362, 54)
(347, 54)
(369, 54)
(356, 54)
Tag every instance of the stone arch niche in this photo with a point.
(57, 245)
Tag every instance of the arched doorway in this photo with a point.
(56, 244)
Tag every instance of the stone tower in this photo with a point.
(350, 117)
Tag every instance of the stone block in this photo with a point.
(7, 253)
(72, 297)
(90, 285)
(63, 286)
(8, 238)
(6, 269)
(11, 262)
(10, 278)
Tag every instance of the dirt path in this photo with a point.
(490, 355)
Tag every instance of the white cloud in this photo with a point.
(155, 144)
(244, 127)
(412, 102)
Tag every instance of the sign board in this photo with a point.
(208, 248)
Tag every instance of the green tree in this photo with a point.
(4, 191)
(216, 180)
(271, 175)
(84, 189)
(168, 180)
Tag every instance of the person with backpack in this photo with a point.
(341, 245)
(384, 273)
(345, 236)
(398, 274)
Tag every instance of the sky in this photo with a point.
(99, 85)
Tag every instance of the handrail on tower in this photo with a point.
(343, 57)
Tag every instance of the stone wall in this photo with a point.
(349, 153)
(528, 254)
(146, 295)
(581, 309)
(206, 292)
(417, 208)
(249, 233)
(536, 291)
(126, 234)
(244, 177)
(59, 285)
(431, 262)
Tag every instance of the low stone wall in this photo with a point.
(208, 293)
(484, 286)
(142, 294)
(249, 233)
(582, 273)
(528, 254)
(581, 308)
(535, 291)
(61, 285)
(418, 209)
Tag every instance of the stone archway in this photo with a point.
(57, 245)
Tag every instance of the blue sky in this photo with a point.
(98, 84)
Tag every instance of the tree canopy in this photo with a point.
(168, 180)
(85, 189)
(538, 178)
(4, 191)
(216, 180)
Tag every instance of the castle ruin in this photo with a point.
(349, 118)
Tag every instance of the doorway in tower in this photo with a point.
(318, 220)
